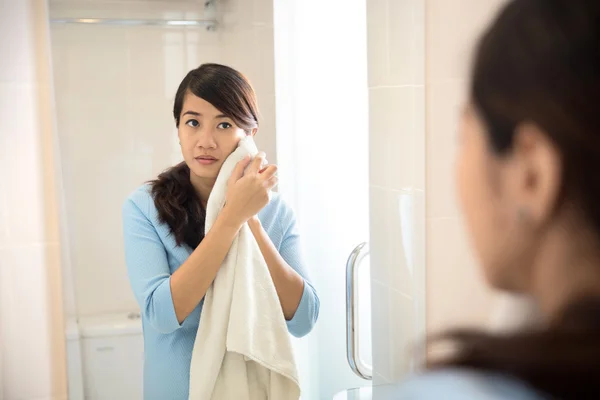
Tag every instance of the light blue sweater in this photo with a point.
(152, 256)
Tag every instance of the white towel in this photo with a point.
(243, 349)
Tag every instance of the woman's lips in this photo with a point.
(206, 161)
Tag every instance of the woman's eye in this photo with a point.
(193, 123)
(224, 125)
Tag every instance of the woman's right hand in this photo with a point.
(249, 192)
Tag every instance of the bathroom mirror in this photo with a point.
(353, 171)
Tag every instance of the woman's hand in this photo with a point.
(249, 192)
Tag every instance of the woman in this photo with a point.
(528, 175)
(171, 263)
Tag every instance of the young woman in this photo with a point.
(171, 263)
(528, 176)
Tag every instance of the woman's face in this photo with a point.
(506, 199)
(207, 136)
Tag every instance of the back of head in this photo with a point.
(539, 62)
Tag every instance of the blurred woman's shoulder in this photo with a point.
(457, 384)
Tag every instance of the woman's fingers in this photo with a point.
(268, 171)
(257, 163)
(271, 182)
(238, 171)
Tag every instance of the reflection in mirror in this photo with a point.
(132, 329)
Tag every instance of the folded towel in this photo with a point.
(242, 349)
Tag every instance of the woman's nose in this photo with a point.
(206, 139)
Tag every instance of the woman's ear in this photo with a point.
(253, 132)
(536, 173)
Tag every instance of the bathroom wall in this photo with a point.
(396, 64)
(32, 351)
(115, 87)
(456, 294)
(419, 57)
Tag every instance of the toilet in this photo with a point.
(106, 357)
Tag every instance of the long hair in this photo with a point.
(539, 62)
(174, 197)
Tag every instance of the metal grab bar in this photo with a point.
(354, 260)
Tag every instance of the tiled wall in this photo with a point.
(115, 88)
(456, 294)
(419, 57)
(32, 355)
(396, 51)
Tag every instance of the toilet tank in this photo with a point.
(112, 349)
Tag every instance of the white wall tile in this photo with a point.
(236, 15)
(19, 46)
(402, 328)
(444, 105)
(263, 13)
(406, 42)
(100, 264)
(4, 213)
(381, 334)
(395, 46)
(251, 52)
(381, 204)
(456, 292)
(407, 250)
(452, 30)
(396, 119)
(266, 136)
(397, 239)
(395, 43)
(21, 151)
(377, 42)
(32, 347)
(92, 67)
(144, 66)
(239, 15)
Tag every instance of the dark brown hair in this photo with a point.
(539, 62)
(174, 197)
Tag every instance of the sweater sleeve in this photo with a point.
(148, 270)
(307, 313)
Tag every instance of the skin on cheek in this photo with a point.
(466, 170)
(476, 193)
